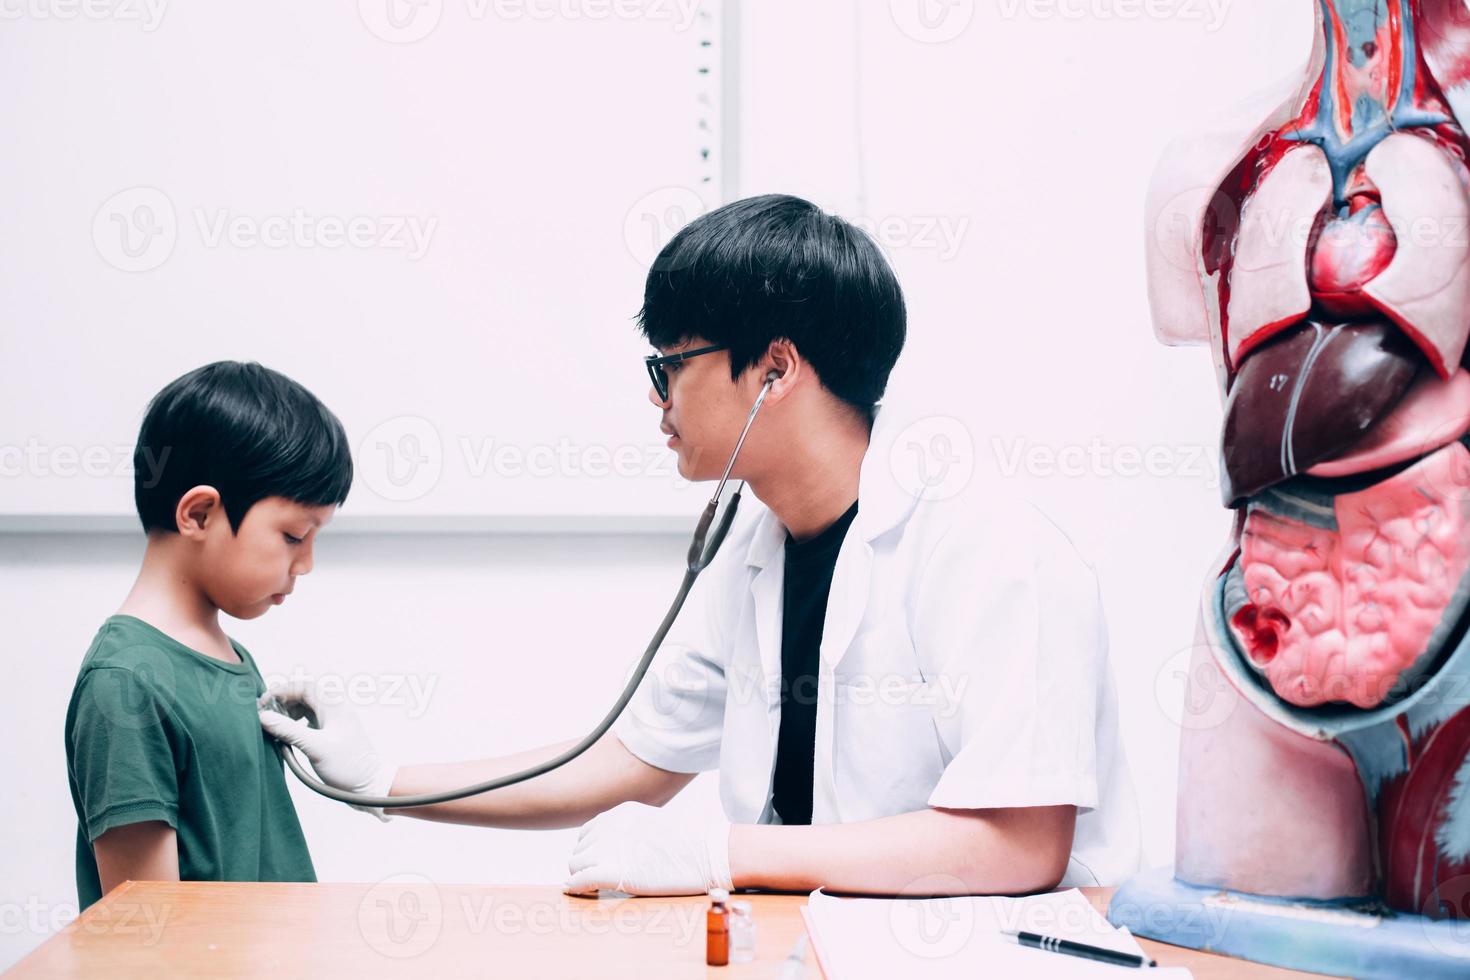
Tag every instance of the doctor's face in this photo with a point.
(705, 411)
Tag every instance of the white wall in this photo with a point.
(1032, 135)
(469, 165)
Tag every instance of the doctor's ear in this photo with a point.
(782, 366)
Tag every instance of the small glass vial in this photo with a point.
(742, 932)
(717, 929)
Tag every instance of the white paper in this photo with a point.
(858, 938)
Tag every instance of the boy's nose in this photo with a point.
(653, 397)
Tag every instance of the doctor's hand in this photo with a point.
(644, 850)
(339, 748)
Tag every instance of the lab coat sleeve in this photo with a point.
(676, 717)
(1011, 618)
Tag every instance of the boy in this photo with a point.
(237, 469)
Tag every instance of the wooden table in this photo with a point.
(409, 926)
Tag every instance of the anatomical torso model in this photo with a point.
(1321, 248)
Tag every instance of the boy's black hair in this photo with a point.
(777, 267)
(245, 430)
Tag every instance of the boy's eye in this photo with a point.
(293, 539)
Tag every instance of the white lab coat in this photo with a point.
(963, 664)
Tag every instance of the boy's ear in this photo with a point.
(197, 507)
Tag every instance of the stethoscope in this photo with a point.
(701, 553)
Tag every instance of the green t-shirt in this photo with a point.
(157, 731)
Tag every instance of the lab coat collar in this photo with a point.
(883, 503)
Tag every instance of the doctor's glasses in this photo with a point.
(656, 366)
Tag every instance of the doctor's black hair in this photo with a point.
(777, 267)
(245, 430)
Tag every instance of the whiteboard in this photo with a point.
(437, 216)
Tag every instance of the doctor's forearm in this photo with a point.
(600, 778)
(966, 851)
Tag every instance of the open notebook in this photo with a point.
(856, 938)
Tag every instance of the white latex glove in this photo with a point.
(339, 749)
(644, 850)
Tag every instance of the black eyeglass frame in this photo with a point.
(660, 378)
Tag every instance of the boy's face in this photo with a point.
(247, 572)
(705, 412)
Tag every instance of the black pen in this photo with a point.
(1054, 945)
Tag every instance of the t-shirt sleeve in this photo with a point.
(1014, 621)
(123, 764)
(676, 719)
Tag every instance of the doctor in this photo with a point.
(899, 692)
